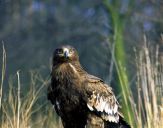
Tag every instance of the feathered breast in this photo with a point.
(65, 92)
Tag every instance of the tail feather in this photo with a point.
(121, 124)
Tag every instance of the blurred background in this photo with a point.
(31, 29)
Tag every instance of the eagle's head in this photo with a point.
(64, 54)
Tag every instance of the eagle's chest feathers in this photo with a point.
(66, 75)
(67, 84)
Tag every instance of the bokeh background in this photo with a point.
(31, 29)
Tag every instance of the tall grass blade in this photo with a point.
(2, 73)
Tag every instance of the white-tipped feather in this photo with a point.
(90, 107)
(106, 108)
(98, 107)
(58, 105)
(103, 103)
(112, 119)
(109, 110)
(115, 110)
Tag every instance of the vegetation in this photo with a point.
(119, 57)
(21, 109)
(148, 107)
(31, 109)
(24, 109)
(105, 34)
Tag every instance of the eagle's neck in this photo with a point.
(76, 66)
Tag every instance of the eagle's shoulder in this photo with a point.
(102, 99)
(93, 79)
(97, 84)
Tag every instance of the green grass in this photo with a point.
(118, 23)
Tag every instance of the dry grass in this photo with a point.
(2, 75)
(17, 110)
(148, 106)
(28, 108)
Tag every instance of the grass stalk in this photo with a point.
(118, 24)
(2, 74)
(19, 101)
(2, 77)
(149, 80)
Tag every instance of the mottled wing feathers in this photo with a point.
(94, 121)
(102, 100)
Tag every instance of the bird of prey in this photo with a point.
(80, 99)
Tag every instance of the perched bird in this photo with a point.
(80, 99)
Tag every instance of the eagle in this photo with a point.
(80, 99)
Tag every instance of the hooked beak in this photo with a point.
(66, 53)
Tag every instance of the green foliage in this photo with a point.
(118, 24)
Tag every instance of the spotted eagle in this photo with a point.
(80, 99)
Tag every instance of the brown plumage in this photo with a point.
(80, 99)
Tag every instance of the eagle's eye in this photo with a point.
(59, 51)
(71, 51)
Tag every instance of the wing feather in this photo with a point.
(102, 99)
(51, 95)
